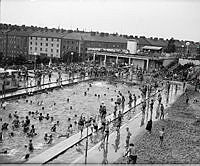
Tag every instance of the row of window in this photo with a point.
(42, 44)
(57, 50)
(47, 39)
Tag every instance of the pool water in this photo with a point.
(87, 105)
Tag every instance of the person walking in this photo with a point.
(123, 103)
(131, 154)
(161, 134)
(149, 126)
(128, 136)
(130, 100)
(151, 106)
(162, 112)
(134, 99)
(159, 98)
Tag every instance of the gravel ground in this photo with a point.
(181, 139)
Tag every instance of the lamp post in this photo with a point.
(182, 46)
(35, 56)
(187, 44)
(86, 146)
(72, 53)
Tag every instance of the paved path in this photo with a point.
(110, 156)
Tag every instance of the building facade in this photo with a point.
(45, 43)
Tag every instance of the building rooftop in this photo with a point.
(47, 33)
(100, 37)
(72, 36)
(142, 41)
(20, 32)
(157, 42)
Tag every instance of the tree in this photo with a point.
(20, 60)
(38, 60)
(171, 46)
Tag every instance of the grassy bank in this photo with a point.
(181, 139)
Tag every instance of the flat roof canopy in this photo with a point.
(152, 48)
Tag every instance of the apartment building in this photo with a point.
(45, 43)
(14, 43)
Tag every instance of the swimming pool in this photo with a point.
(87, 105)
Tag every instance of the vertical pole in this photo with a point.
(147, 67)
(117, 60)
(94, 57)
(105, 60)
(35, 62)
(129, 61)
(6, 44)
(86, 149)
(79, 50)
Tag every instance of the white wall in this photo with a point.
(185, 61)
(45, 49)
(132, 46)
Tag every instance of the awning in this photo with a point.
(152, 48)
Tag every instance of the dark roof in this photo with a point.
(72, 36)
(142, 41)
(48, 33)
(4, 31)
(157, 42)
(20, 33)
(97, 37)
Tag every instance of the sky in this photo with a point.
(179, 19)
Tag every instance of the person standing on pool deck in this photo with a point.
(130, 100)
(128, 136)
(149, 125)
(159, 98)
(161, 133)
(123, 102)
(134, 99)
(81, 125)
(151, 106)
(106, 131)
(118, 101)
(162, 112)
(115, 110)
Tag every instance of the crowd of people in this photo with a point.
(99, 125)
